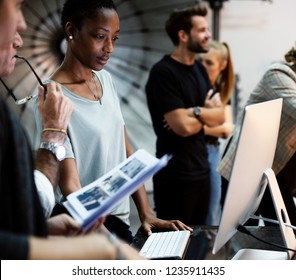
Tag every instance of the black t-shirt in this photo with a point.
(172, 85)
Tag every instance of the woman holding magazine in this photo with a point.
(97, 139)
(24, 231)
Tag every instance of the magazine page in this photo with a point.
(98, 198)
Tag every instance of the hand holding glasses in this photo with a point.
(27, 98)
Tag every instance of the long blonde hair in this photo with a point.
(226, 79)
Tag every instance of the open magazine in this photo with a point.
(99, 197)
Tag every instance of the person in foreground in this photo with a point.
(178, 94)
(24, 231)
(279, 81)
(218, 63)
(91, 28)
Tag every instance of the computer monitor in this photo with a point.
(252, 164)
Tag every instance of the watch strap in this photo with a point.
(57, 150)
(196, 111)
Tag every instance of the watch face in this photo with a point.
(196, 112)
(60, 152)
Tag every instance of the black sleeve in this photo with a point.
(13, 246)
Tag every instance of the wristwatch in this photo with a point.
(196, 112)
(59, 151)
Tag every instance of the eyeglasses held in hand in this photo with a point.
(27, 98)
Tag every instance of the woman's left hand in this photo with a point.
(151, 222)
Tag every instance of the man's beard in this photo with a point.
(195, 47)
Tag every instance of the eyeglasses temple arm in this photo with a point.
(9, 90)
(37, 77)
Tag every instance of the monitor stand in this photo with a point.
(283, 218)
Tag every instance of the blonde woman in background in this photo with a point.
(219, 66)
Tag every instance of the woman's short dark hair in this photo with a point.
(79, 10)
(181, 20)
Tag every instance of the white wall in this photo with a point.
(258, 32)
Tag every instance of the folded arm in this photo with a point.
(184, 122)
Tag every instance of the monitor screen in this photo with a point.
(254, 154)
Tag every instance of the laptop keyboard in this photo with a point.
(162, 245)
